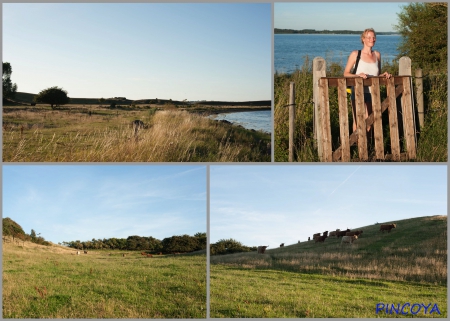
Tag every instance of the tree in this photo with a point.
(9, 89)
(33, 234)
(228, 246)
(53, 96)
(183, 243)
(201, 237)
(11, 228)
(423, 27)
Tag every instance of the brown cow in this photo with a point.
(325, 233)
(321, 238)
(387, 227)
(143, 253)
(262, 249)
(149, 255)
(316, 236)
(357, 233)
(342, 233)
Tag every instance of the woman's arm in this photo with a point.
(350, 63)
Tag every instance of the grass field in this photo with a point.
(408, 265)
(75, 133)
(97, 285)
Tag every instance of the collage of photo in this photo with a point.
(224, 160)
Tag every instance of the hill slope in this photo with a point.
(415, 251)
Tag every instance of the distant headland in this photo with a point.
(332, 32)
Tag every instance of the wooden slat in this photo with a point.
(327, 155)
(333, 81)
(408, 122)
(369, 121)
(377, 122)
(393, 123)
(360, 120)
(343, 120)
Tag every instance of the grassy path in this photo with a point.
(251, 293)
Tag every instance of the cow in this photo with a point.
(143, 253)
(387, 227)
(85, 252)
(357, 233)
(309, 238)
(325, 233)
(149, 255)
(33, 104)
(316, 236)
(124, 255)
(262, 249)
(342, 233)
(282, 245)
(349, 239)
(321, 238)
(78, 252)
(334, 233)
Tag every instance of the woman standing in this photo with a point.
(369, 65)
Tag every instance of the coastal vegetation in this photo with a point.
(429, 54)
(104, 132)
(331, 279)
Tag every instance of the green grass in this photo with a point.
(71, 134)
(409, 264)
(265, 293)
(97, 285)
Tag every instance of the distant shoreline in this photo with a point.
(329, 32)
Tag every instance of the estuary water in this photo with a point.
(257, 120)
(290, 49)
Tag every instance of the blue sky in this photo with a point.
(68, 203)
(269, 205)
(195, 51)
(337, 15)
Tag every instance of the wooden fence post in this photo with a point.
(419, 95)
(291, 120)
(319, 70)
(408, 108)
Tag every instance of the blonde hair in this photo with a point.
(365, 32)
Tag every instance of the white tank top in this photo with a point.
(369, 68)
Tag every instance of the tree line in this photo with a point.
(174, 244)
(11, 228)
(177, 243)
(332, 32)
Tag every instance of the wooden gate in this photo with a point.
(398, 86)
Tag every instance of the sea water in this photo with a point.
(257, 120)
(291, 49)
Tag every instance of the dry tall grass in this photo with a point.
(171, 136)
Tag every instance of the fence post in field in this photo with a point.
(419, 95)
(291, 120)
(319, 70)
(409, 121)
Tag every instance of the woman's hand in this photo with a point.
(363, 75)
(387, 75)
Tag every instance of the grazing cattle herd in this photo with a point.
(347, 235)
